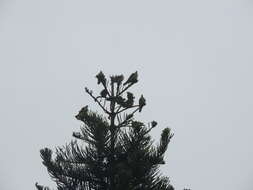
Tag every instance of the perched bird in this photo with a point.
(120, 100)
(101, 78)
(133, 78)
(142, 103)
(130, 100)
(153, 123)
(117, 79)
(81, 115)
(104, 93)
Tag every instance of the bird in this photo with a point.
(101, 78)
(153, 123)
(81, 115)
(104, 93)
(119, 79)
(130, 100)
(133, 78)
(142, 103)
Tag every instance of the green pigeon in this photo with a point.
(119, 100)
(81, 115)
(101, 78)
(142, 103)
(104, 93)
(117, 79)
(153, 123)
(132, 79)
(130, 100)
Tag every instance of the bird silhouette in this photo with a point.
(81, 115)
(133, 78)
(142, 103)
(101, 78)
(104, 93)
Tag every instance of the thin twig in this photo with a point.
(95, 99)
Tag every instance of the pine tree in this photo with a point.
(118, 152)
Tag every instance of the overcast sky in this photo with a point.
(195, 66)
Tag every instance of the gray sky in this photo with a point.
(195, 65)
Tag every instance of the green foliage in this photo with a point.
(117, 151)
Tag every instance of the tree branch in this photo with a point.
(95, 99)
(124, 122)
